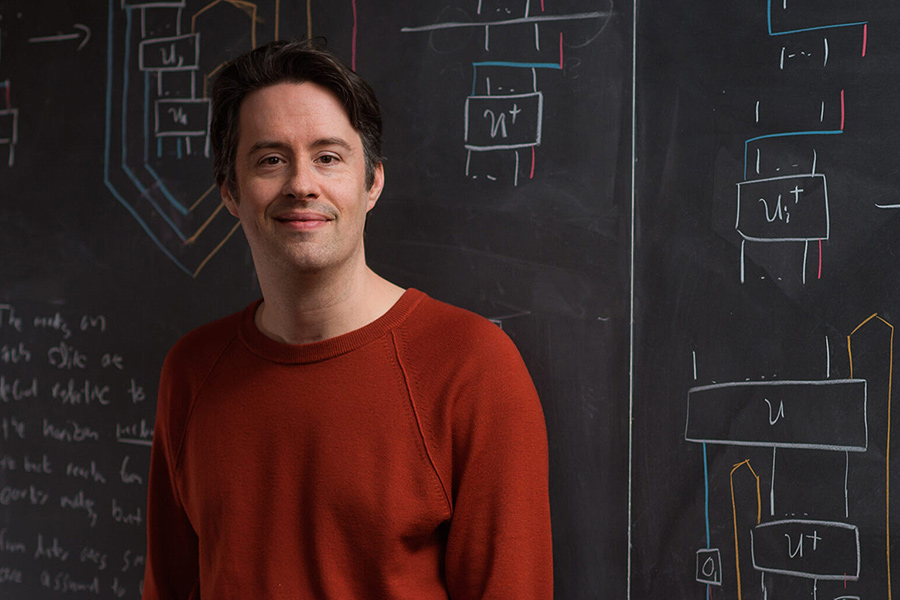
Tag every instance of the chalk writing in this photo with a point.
(75, 430)
(16, 390)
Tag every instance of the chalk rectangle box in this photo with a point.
(826, 414)
(503, 122)
(806, 548)
(177, 53)
(793, 208)
(9, 126)
(182, 117)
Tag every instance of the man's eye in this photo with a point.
(270, 160)
(327, 159)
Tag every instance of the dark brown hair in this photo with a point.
(297, 62)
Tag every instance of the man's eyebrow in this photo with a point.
(319, 143)
(266, 145)
(332, 141)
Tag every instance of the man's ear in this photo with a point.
(228, 199)
(377, 185)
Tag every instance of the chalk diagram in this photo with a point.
(9, 119)
(161, 56)
(503, 115)
(9, 123)
(9, 115)
(819, 424)
(779, 202)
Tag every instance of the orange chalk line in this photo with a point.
(247, 7)
(206, 223)
(887, 479)
(737, 557)
(277, 18)
(202, 197)
(216, 249)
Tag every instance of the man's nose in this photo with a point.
(302, 181)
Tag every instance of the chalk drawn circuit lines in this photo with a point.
(504, 113)
(161, 56)
(785, 199)
(810, 531)
(785, 416)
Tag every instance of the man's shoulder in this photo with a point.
(461, 366)
(186, 368)
(442, 329)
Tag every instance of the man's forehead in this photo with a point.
(273, 104)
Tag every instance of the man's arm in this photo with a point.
(500, 544)
(172, 569)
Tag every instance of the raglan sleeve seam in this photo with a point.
(405, 370)
(175, 461)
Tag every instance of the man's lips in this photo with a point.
(304, 221)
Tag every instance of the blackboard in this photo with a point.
(766, 285)
(508, 143)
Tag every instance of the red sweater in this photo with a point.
(403, 460)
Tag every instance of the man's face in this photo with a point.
(301, 191)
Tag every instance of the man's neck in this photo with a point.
(315, 308)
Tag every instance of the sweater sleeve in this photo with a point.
(499, 544)
(171, 571)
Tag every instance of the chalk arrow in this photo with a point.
(83, 30)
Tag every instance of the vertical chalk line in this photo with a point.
(772, 485)
(842, 110)
(353, 42)
(846, 481)
(887, 467)
(820, 258)
(634, 18)
(805, 253)
(887, 482)
(737, 554)
(560, 50)
(706, 494)
(277, 19)
(742, 260)
(865, 38)
(516, 176)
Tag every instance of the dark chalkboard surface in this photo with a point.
(768, 215)
(508, 136)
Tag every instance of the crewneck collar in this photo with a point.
(269, 349)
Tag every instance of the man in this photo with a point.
(341, 438)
